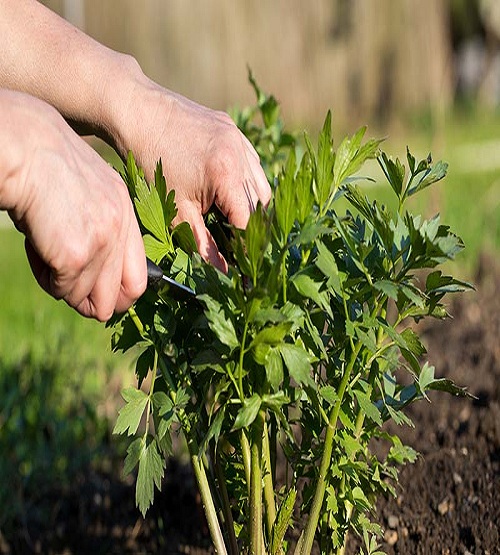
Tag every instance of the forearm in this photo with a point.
(45, 56)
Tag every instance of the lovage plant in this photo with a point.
(281, 373)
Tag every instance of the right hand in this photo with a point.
(82, 238)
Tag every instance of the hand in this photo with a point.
(206, 159)
(82, 239)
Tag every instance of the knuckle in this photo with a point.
(101, 312)
(135, 290)
(225, 161)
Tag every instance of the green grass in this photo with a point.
(33, 325)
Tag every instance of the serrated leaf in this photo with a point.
(285, 200)
(429, 175)
(325, 261)
(323, 165)
(257, 237)
(368, 407)
(360, 499)
(400, 453)
(367, 339)
(311, 289)
(184, 236)
(413, 342)
(298, 363)
(164, 412)
(282, 521)
(219, 323)
(150, 210)
(426, 377)
(248, 412)
(155, 250)
(275, 401)
(304, 189)
(274, 368)
(443, 384)
(388, 288)
(143, 364)
(129, 416)
(151, 468)
(329, 394)
(214, 429)
(125, 335)
(133, 455)
(271, 335)
(394, 172)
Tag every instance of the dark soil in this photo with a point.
(448, 503)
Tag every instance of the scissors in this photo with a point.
(163, 284)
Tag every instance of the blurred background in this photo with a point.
(369, 61)
(423, 73)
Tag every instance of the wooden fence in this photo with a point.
(365, 59)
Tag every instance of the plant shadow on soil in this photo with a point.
(448, 501)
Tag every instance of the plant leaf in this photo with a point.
(282, 521)
(151, 467)
(219, 323)
(130, 414)
(248, 412)
(298, 363)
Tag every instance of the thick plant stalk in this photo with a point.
(268, 483)
(305, 544)
(226, 505)
(255, 524)
(245, 452)
(207, 501)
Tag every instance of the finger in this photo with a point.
(250, 148)
(134, 273)
(259, 181)
(187, 211)
(238, 203)
(103, 298)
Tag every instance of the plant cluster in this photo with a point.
(281, 373)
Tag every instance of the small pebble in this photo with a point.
(393, 522)
(391, 537)
(444, 506)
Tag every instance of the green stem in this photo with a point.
(245, 452)
(198, 468)
(283, 276)
(242, 355)
(151, 390)
(312, 522)
(206, 499)
(226, 505)
(269, 502)
(137, 321)
(255, 525)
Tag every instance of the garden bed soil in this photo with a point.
(448, 502)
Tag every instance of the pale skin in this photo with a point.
(82, 238)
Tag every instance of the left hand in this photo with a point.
(205, 157)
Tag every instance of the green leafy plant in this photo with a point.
(281, 373)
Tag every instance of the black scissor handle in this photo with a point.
(155, 275)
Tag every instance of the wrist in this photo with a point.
(12, 149)
(125, 83)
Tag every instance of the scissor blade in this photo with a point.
(175, 289)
